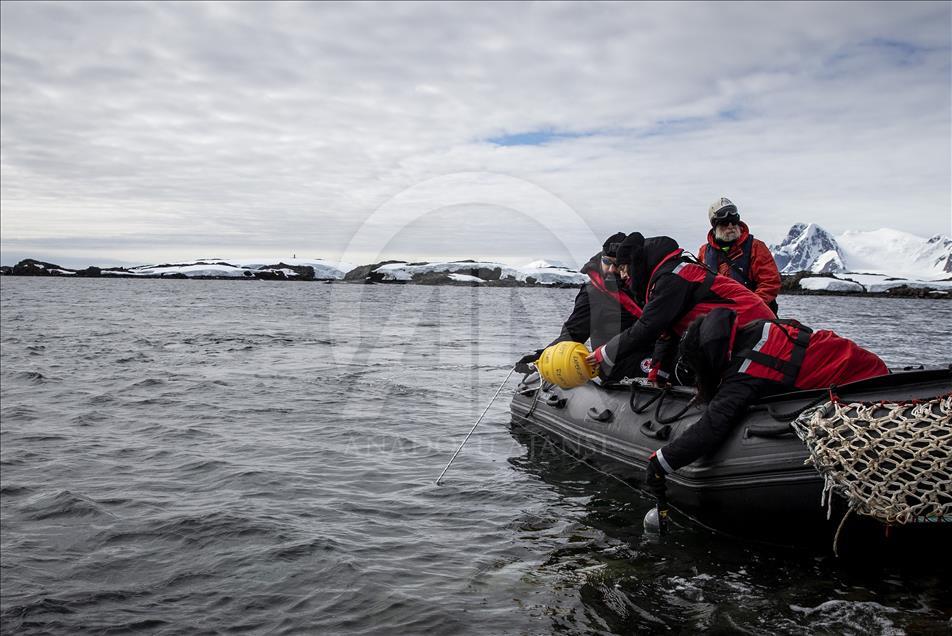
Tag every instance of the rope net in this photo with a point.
(890, 460)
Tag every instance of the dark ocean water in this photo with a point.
(215, 456)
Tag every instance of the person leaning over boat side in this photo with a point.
(732, 250)
(604, 307)
(737, 365)
(676, 289)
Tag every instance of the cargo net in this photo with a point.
(890, 460)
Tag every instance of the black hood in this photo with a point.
(643, 261)
(656, 248)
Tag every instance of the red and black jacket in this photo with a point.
(795, 356)
(747, 260)
(678, 289)
(603, 309)
(769, 357)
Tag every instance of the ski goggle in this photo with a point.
(723, 217)
(608, 261)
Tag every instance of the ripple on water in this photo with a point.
(247, 471)
(62, 504)
(27, 377)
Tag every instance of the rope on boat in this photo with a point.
(890, 460)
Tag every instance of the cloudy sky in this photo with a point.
(136, 132)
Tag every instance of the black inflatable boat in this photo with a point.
(755, 484)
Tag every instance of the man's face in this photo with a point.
(624, 273)
(609, 265)
(727, 231)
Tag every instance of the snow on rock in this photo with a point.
(823, 283)
(874, 283)
(545, 264)
(194, 269)
(880, 283)
(466, 278)
(245, 268)
(827, 263)
(487, 271)
(323, 269)
(551, 275)
(396, 271)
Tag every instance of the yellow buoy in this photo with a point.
(564, 364)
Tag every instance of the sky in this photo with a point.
(135, 133)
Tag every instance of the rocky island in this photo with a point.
(811, 261)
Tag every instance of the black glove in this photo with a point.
(522, 364)
(655, 477)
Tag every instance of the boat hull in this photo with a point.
(756, 483)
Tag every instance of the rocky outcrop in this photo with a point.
(904, 291)
(442, 278)
(366, 274)
(304, 272)
(30, 267)
(483, 273)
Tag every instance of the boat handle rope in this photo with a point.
(635, 392)
(543, 386)
(534, 403)
(555, 401)
(677, 416)
(661, 434)
(769, 431)
(604, 415)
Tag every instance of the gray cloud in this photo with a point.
(254, 126)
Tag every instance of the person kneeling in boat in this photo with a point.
(675, 289)
(604, 307)
(737, 365)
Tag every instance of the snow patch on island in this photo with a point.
(547, 275)
(874, 283)
(823, 283)
(466, 278)
(244, 268)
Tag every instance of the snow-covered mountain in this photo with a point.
(808, 247)
(897, 253)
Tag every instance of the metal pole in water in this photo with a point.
(474, 426)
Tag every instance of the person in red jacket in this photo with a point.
(731, 250)
(737, 365)
(675, 289)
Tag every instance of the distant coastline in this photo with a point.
(465, 273)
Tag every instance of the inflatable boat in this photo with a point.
(756, 484)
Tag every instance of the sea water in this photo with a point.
(192, 456)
